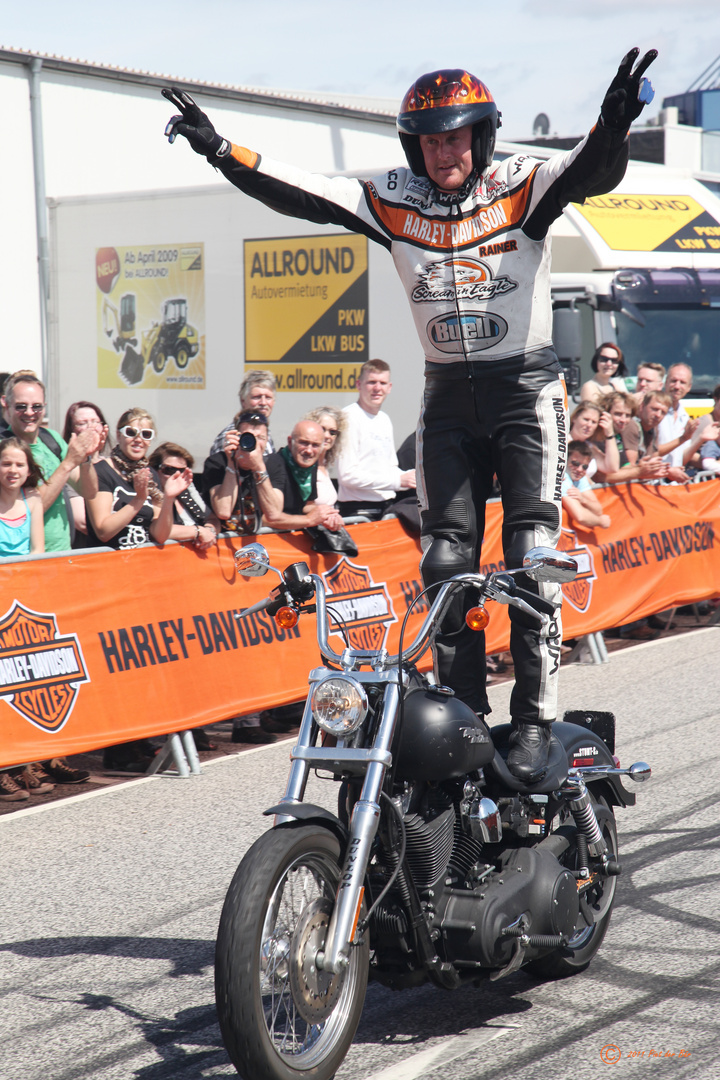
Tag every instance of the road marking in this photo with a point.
(443, 1053)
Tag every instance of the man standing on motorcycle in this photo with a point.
(470, 241)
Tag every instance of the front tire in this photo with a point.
(158, 359)
(599, 897)
(280, 1018)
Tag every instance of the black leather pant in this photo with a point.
(474, 426)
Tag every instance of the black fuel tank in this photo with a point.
(441, 737)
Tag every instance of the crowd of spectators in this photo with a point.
(642, 431)
(85, 487)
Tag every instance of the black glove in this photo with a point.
(194, 125)
(628, 93)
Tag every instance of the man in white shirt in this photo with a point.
(677, 421)
(368, 471)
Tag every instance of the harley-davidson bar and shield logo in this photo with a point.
(578, 593)
(363, 608)
(40, 668)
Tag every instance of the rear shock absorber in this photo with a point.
(575, 790)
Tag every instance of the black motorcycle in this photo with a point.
(439, 864)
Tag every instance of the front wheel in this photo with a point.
(158, 358)
(281, 1018)
(596, 901)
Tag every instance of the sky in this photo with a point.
(557, 58)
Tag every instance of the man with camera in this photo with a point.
(230, 475)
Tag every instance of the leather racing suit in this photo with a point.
(475, 264)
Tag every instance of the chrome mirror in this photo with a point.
(549, 564)
(252, 561)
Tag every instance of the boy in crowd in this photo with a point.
(578, 498)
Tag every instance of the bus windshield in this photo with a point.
(681, 309)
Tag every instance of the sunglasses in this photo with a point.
(330, 430)
(170, 470)
(21, 407)
(608, 360)
(580, 465)
(147, 434)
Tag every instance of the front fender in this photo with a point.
(307, 812)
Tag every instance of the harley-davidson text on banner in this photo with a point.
(97, 649)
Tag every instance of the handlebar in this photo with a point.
(299, 587)
(488, 585)
(263, 605)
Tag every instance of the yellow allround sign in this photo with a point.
(628, 222)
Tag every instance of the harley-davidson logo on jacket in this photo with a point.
(461, 262)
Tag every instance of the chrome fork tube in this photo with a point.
(298, 776)
(363, 826)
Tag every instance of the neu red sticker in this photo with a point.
(40, 669)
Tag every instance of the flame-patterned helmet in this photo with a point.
(443, 101)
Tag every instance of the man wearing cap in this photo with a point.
(470, 240)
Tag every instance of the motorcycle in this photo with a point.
(439, 865)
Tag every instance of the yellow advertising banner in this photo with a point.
(628, 222)
(151, 317)
(306, 309)
(100, 648)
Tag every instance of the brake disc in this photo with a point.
(315, 992)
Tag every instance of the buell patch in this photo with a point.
(40, 669)
(363, 608)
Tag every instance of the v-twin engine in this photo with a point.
(470, 901)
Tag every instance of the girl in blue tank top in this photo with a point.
(21, 512)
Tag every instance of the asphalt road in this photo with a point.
(109, 905)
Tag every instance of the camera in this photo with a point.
(247, 440)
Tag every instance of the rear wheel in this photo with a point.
(596, 901)
(282, 1018)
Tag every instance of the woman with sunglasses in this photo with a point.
(608, 363)
(190, 512)
(130, 507)
(333, 423)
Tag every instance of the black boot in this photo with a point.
(529, 750)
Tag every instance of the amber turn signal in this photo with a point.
(286, 617)
(477, 618)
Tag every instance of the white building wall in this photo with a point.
(103, 134)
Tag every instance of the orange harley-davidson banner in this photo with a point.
(100, 648)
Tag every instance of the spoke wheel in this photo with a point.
(281, 1017)
(596, 901)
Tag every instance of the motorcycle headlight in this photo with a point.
(339, 705)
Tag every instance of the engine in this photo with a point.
(470, 889)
